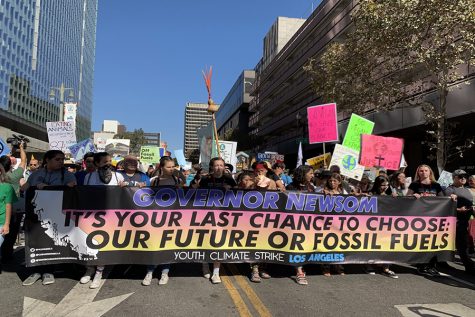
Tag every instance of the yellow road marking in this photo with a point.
(253, 298)
(237, 299)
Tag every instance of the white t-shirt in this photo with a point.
(94, 179)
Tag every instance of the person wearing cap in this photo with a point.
(464, 212)
(263, 182)
(132, 176)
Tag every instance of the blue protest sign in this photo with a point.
(4, 148)
(180, 157)
(79, 149)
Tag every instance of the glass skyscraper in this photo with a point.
(46, 43)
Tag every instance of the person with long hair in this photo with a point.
(380, 188)
(163, 176)
(425, 185)
(303, 182)
(398, 184)
(52, 173)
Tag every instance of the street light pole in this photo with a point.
(62, 89)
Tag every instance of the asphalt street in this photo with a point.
(189, 294)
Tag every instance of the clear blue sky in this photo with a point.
(150, 54)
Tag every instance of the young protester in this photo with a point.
(7, 198)
(398, 184)
(302, 181)
(132, 176)
(464, 212)
(88, 160)
(216, 179)
(14, 177)
(276, 173)
(333, 186)
(166, 177)
(52, 173)
(103, 176)
(425, 185)
(380, 188)
(247, 180)
(264, 182)
(279, 170)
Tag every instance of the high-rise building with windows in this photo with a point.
(196, 116)
(43, 44)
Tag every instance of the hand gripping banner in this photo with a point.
(112, 225)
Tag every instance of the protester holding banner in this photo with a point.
(303, 177)
(398, 184)
(264, 182)
(278, 175)
(464, 212)
(165, 178)
(380, 187)
(90, 167)
(132, 176)
(52, 173)
(216, 179)
(425, 185)
(103, 176)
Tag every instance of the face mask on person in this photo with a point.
(105, 174)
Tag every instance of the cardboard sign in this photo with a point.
(227, 150)
(4, 148)
(322, 123)
(357, 126)
(320, 161)
(70, 111)
(79, 149)
(151, 154)
(347, 160)
(445, 179)
(380, 151)
(61, 135)
(180, 157)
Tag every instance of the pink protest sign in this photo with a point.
(379, 151)
(322, 123)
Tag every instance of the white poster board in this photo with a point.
(347, 160)
(227, 150)
(61, 135)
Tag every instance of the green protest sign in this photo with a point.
(150, 154)
(357, 126)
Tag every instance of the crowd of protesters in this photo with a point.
(98, 169)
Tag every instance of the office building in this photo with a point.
(196, 115)
(44, 44)
(232, 118)
(152, 138)
(110, 126)
(282, 92)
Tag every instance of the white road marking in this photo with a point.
(439, 310)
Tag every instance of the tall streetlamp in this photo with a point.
(61, 89)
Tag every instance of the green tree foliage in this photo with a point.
(393, 51)
(136, 138)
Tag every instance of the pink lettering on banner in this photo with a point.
(379, 151)
(322, 123)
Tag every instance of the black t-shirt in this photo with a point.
(217, 182)
(464, 199)
(426, 190)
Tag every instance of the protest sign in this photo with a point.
(242, 161)
(445, 179)
(4, 148)
(320, 161)
(130, 225)
(357, 126)
(207, 144)
(227, 150)
(117, 147)
(271, 157)
(380, 151)
(70, 109)
(347, 160)
(180, 157)
(79, 149)
(61, 135)
(151, 154)
(322, 123)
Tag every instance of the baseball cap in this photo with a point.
(459, 172)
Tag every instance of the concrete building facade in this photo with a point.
(196, 115)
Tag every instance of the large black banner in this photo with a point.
(113, 225)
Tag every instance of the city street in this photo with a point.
(188, 294)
